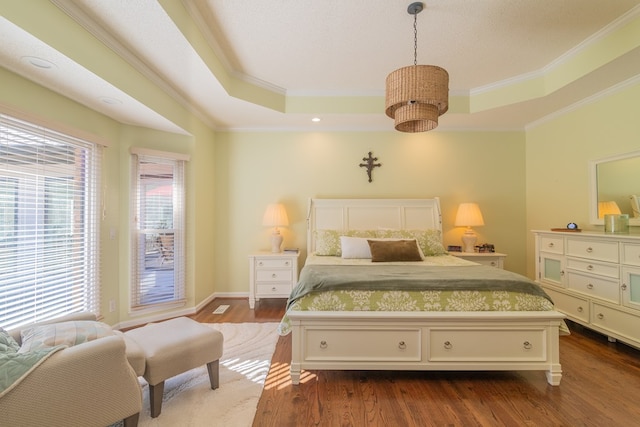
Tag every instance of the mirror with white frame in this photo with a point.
(615, 179)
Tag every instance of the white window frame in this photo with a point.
(144, 282)
(50, 250)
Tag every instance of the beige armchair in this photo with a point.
(91, 384)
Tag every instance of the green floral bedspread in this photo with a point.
(416, 301)
(403, 300)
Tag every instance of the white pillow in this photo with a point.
(355, 247)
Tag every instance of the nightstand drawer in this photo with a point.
(272, 263)
(598, 287)
(583, 248)
(275, 289)
(274, 275)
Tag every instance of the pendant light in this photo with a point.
(416, 95)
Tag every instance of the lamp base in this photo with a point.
(276, 242)
(469, 239)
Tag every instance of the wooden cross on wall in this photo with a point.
(370, 164)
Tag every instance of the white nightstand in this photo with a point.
(494, 259)
(271, 275)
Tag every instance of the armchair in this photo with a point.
(91, 384)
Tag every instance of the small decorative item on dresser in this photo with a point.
(572, 226)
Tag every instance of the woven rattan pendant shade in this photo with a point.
(415, 96)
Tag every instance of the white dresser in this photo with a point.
(272, 275)
(593, 278)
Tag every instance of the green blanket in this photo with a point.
(14, 366)
(320, 278)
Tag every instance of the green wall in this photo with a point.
(262, 168)
(558, 153)
(23, 97)
(522, 180)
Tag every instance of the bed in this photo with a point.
(340, 329)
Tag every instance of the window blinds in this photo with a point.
(49, 223)
(158, 226)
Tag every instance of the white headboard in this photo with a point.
(372, 214)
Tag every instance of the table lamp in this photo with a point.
(608, 208)
(469, 215)
(275, 216)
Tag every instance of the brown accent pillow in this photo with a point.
(394, 250)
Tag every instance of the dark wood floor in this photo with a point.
(600, 387)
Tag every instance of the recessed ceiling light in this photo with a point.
(109, 100)
(315, 119)
(38, 62)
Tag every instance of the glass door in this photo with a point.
(631, 287)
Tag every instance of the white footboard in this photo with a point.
(437, 341)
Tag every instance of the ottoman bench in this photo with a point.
(173, 347)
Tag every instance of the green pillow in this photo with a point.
(64, 333)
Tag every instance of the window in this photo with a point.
(157, 229)
(49, 226)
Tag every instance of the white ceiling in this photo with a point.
(273, 65)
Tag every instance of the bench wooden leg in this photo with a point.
(155, 398)
(214, 374)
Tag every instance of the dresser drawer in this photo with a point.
(630, 254)
(266, 275)
(272, 263)
(593, 286)
(275, 289)
(572, 306)
(554, 245)
(363, 345)
(617, 321)
(586, 266)
(592, 249)
(450, 345)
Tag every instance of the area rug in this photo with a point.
(188, 398)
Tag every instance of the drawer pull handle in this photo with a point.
(561, 272)
(286, 263)
(527, 345)
(600, 316)
(624, 286)
(448, 345)
(260, 263)
(590, 286)
(323, 344)
(550, 245)
(274, 289)
(589, 267)
(580, 309)
(402, 345)
(589, 249)
(274, 275)
(493, 263)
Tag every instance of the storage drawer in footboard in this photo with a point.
(363, 345)
(487, 345)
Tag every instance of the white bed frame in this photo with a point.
(456, 341)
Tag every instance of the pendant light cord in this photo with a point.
(415, 38)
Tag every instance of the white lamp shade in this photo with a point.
(469, 215)
(275, 216)
(608, 208)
